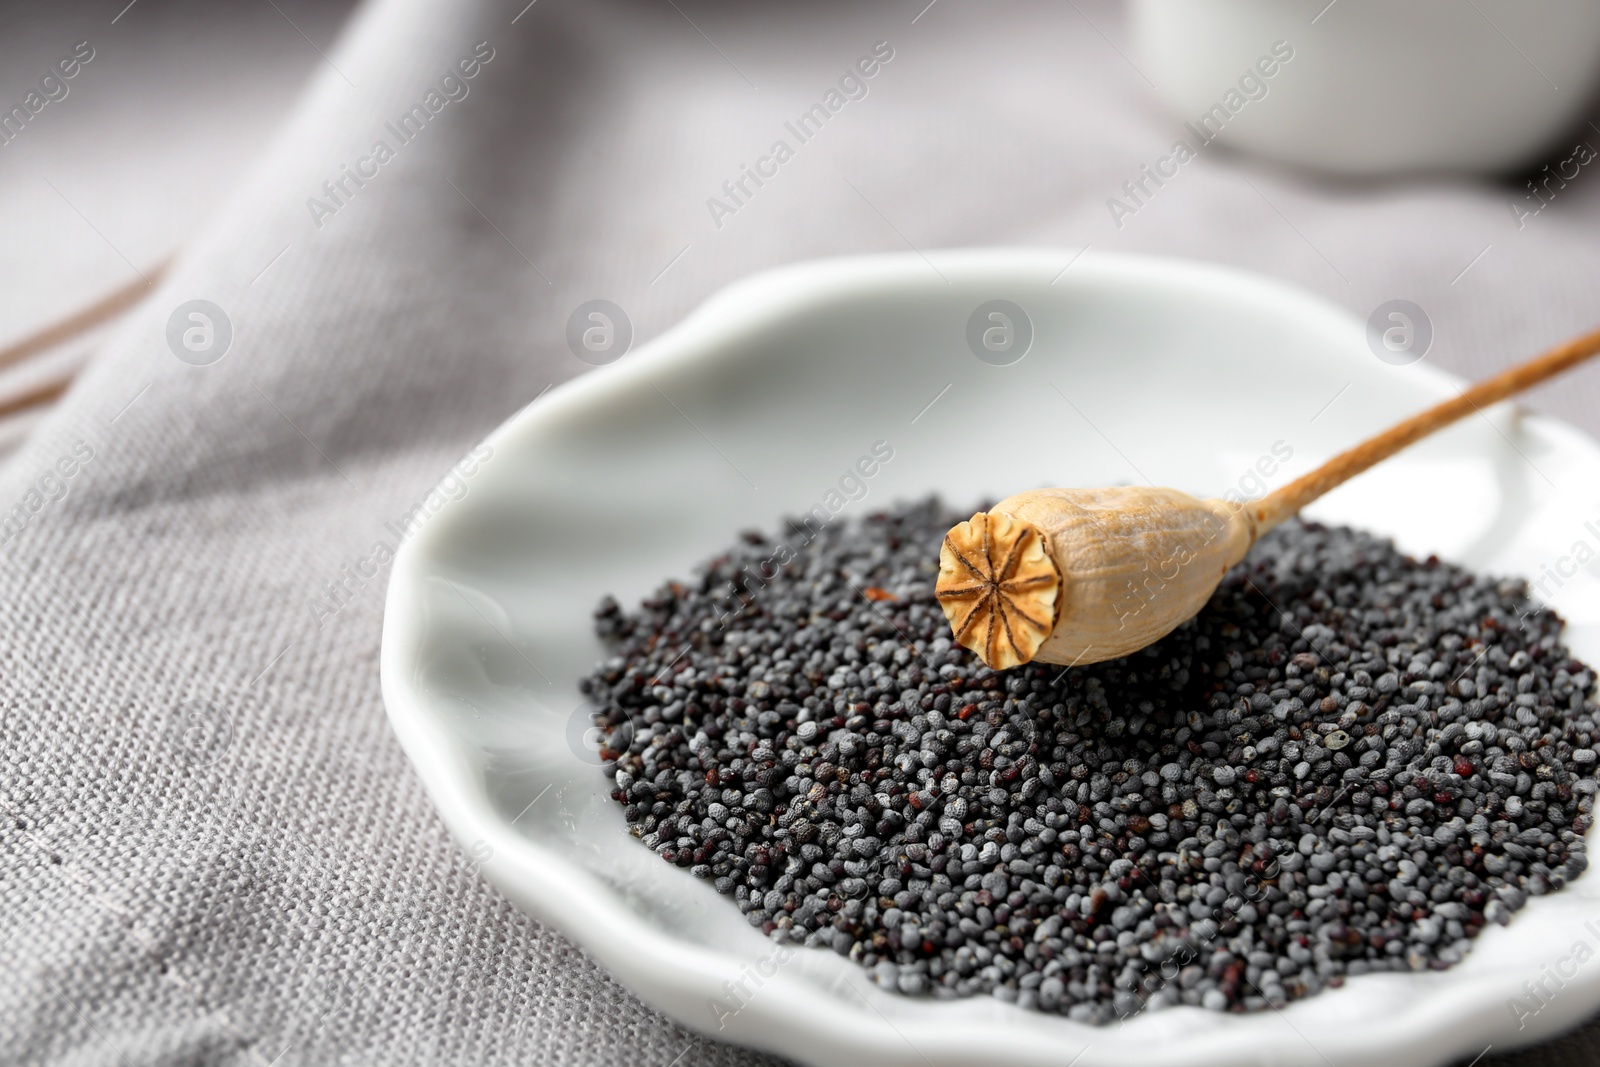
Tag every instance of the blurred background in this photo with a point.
(1436, 153)
(104, 184)
(1434, 159)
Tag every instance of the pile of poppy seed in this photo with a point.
(1351, 761)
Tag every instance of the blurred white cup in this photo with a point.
(1379, 86)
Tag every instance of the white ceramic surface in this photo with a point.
(1378, 87)
(1179, 373)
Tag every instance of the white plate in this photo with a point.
(1140, 369)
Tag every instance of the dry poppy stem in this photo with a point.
(1131, 564)
(84, 319)
(46, 390)
(79, 322)
(1272, 509)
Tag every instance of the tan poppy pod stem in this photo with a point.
(1131, 564)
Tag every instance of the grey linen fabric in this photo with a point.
(212, 851)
